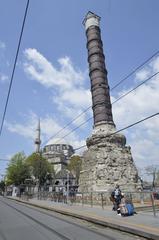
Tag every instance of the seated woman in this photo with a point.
(126, 207)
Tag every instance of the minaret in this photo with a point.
(102, 109)
(37, 138)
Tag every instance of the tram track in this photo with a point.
(64, 227)
(61, 236)
(50, 228)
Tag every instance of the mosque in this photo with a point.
(58, 154)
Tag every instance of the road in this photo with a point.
(21, 222)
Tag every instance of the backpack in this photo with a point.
(123, 210)
(130, 209)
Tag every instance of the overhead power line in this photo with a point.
(135, 69)
(14, 66)
(66, 125)
(124, 95)
(139, 85)
(122, 129)
(121, 81)
(75, 128)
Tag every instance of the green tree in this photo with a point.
(17, 170)
(2, 185)
(157, 178)
(75, 166)
(40, 168)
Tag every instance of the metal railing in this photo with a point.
(143, 200)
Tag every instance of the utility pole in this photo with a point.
(40, 159)
(67, 186)
(37, 143)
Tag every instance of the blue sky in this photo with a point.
(51, 79)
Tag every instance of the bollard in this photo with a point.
(102, 200)
(82, 199)
(131, 197)
(153, 204)
(91, 199)
(141, 197)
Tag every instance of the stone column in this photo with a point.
(102, 109)
(107, 160)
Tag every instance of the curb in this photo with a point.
(103, 222)
(146, 208)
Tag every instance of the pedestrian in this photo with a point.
(65, 195)
(116, 197)
(72, 195)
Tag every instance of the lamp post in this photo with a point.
(39, 187)
(67, 185)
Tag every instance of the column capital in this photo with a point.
(91, 19)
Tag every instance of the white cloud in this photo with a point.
(155, 64)
(137, 105)
(145, 149)
(143, 74)
(77, 97)
(67, 82)
(3, 78)
(2, 45)
(49, 128)
(27, 129)
(41, 70)
(71, 96)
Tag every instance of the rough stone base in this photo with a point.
(107, 162)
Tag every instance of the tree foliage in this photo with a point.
(157, 177)
(2, 185)
(75, 166)
(17, 170)
(39, 167)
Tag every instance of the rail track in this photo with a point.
(38, 216)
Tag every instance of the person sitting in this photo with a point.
(126, 207)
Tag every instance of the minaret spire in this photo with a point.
(101, 105)
(37, 138)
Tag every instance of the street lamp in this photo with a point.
(67, 185)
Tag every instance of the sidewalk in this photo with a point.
(143, 223)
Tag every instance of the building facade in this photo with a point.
(58, 155)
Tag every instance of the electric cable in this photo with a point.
(139, 85)
(124, 95)
(75, 128)
(121, 81)
(122, 129)
(135, 70)
(14, 66)
(67, 125)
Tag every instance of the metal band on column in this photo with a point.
(101, 104)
